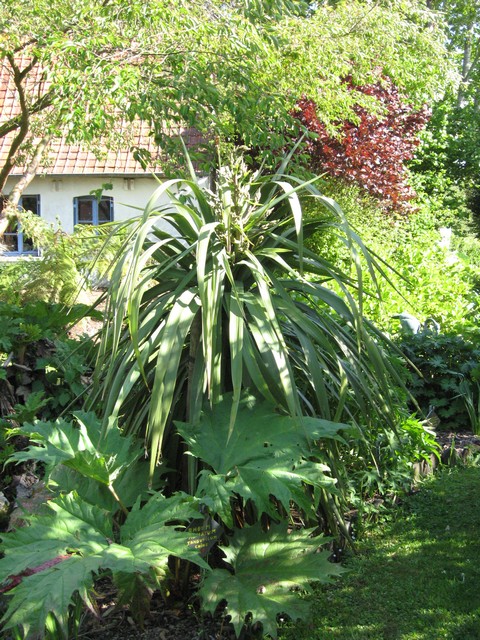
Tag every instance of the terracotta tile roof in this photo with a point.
(72, 159)
(63, 158)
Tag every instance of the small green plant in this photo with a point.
(382, 471)
(42, 371)
(471, 397)
(27, 411)
(228, 298)
(446, 373)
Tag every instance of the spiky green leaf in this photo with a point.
(268, 569)
(82, 538)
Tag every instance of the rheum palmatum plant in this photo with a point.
(99, 521)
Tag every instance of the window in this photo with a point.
(16, 242)
(89, 210)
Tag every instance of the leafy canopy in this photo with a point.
(206, 64)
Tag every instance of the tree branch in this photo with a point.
(18, 77)
(14, 123)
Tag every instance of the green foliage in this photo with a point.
(37, 363)
(225, 301)
(79, 540)
(76, 457)
(383, 471)
(69, 264)
(28, 411)
(471, 397)
(266, 573)
(452, 140)
(54, 277)
(449, 149)
(209, 65)
(22, 325)
(445, 365)
(10, 274)
(42, 373)
(423, 277)
(268, 463)
(100, 518)
(85, 531)
(218, 306)
(265, 454)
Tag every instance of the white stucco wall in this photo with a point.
(57, 194)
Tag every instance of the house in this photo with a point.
(67, 182)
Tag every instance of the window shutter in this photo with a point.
(75, 211)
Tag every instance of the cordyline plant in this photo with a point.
(225, 343)
(215, 293)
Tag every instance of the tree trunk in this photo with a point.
(11, 203)
(23, 130)
(466, 66)
(30, 173)
(24, 117)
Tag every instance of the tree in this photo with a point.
(233, 70)
(463, 28)
(451, 144)
(371, 150)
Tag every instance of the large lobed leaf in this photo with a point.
(265, 455)
(268, 570)
(78, 456)
(257, 427)
(60, 552)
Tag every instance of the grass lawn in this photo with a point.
(416, 578)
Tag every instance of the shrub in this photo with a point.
(421, 276)
(42, 372)
(371, 150)
(442, 365)
(102, 521)
(218, 302)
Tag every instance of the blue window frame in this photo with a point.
(89, 210)
(16, 242)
